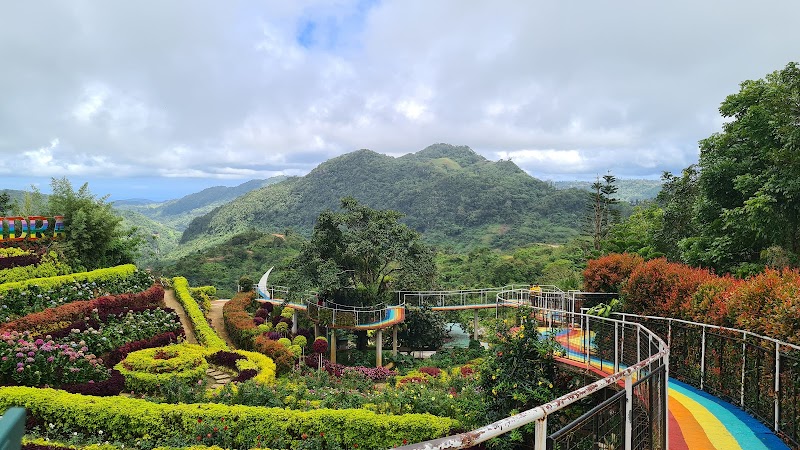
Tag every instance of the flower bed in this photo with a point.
(238, 321)
(52, 319)
(33, 266)
(205, 334)
(25, 297)
(145, 370)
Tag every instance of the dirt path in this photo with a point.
(215, 315)
(172, 302)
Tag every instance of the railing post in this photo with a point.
(703, 359)
(628, 411)
(616, 347)
(540, 439)
(588, 341)
(744, 367)
(777, 385)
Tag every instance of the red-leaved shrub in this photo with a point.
(662, 288)
(609, 273)
(768, 304)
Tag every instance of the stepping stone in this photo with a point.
(220, 376)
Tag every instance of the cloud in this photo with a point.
(245, 88)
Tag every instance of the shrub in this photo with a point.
(145, 370)
(300, 341)
(205, 334)
(52, 319)
(160, 340)
(283, 358)
(127, 420)
(661, 288)
(610, 273)
(238, 321)
(320, 345)
(114, 385)
(48, 266)
(24, 297)
(768, 304)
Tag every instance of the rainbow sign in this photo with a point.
(19, 228)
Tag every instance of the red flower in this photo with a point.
(321, 434)
(303, 436)
(405, 441)
(225, 427)
(208, 435)
(199, 420)
(199, 437)
(355, 445)
(216, 429)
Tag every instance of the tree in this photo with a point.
(6, 204)
(602, 213)
(360, 254)
(94, 237)
(749, 183)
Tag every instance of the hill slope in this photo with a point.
(629, 190)
(451, 194)
(178, 213)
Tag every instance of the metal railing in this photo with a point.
(467, 297)
(345, 316)
(759, 374)
(634, 418)
(274, 291)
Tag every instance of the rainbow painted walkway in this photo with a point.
(697, 420)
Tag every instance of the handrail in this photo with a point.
(539, 414)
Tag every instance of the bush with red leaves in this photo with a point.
(610, 273)
(156, 341)
(112, 386)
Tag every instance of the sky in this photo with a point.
(157, 99)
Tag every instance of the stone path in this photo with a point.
(217, 323)
(171, 302)
(216, 378)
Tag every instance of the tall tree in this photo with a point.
(602, 213)
(6, 204)
(749, 183)
(360, 254)
(94, 237)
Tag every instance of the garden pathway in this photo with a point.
(171, 302)
(217, 323)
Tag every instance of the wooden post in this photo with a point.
(379, 348)
(475, 326)
(333, 346)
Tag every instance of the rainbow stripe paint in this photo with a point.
(32, 228)
(697, 420)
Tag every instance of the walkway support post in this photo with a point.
(379, 348)
(294, 321)
(333, 346)
(628, 411)
(394, 340)
(475, 325)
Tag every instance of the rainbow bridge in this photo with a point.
(725, 389)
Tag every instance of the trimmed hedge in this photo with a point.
(46, 266)
(238, 321)
(127, 420)
(145, 370)
(205, 334)
(34, 295)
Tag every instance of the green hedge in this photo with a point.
(34, 295)
(205, 334)
(145, 370)
(128, 420)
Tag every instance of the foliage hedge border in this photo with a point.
(205, 334)
(122, 271)
(128, 419)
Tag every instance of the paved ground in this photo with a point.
(172, 302)
(215, 315)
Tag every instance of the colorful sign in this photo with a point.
(19, 228)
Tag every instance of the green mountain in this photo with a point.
(178, 213)
(629, 190)
(451, 194)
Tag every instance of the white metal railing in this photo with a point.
(639, 358)
(758, 373)
(466, 297)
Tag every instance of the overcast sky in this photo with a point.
(156, 99)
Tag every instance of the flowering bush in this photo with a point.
(373, 373)
(28, 362)
(24, 297)
(52, 319)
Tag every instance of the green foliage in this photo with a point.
(365, 249)
(24, 297)
(205, 334)
(146, 370)
(422, 329)
(451, 194)
(129, 420)
(49, 266)
(630, 190)
(93, 236)
(601, 211)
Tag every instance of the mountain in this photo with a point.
(178, 213)
(629, 190)
(452, 195)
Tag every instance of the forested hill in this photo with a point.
(451, 194)
(179, 212)
(628, 190)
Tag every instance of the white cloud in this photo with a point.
(189, 89)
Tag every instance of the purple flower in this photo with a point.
(29, 359)
(31, 353)
(50, 359)
(20, 369)
(20, 355)
(39, 342)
